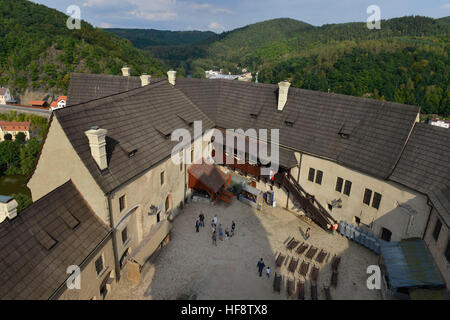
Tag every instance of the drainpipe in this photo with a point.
(116, 258)
(429, 218)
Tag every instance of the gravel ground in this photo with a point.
(191, 267)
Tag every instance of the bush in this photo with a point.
(8, 136)
(23, 201)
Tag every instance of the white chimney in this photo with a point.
(283, 90)
(172, 75)
(8, 208)
(145, 79)
(126, 71)
(97, 143)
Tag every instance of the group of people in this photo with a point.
(260, 265)
(216, 229)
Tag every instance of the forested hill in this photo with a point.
(38, 51)
(142, 38)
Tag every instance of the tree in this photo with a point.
(10, 155)
(20, 137)
(8, 136)
(23, 201)
(28, 155)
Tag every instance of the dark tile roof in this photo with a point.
(85, 87)
(28, 269)
(425, 165)
(137, 119)
(311, 120)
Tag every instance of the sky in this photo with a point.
(227, 15)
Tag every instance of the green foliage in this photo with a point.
(23, 201)
(20, 137)
(10, 156)
(405, 61)
(28, 155)
(38, 124)
(8, 136)
(38, 51)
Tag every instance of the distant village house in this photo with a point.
(5, 96)
(59, 103)
(13, 128)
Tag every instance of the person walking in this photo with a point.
(233, 226)
(308, 233)
(220, 232)
(197, 225)
(227, 234)
(202, 219)
(260, 266)
(268, 272)
(214, 239)
(215, 220)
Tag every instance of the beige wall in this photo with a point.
(398, 204)
(90, 281)
(437, 248)
(59, 163)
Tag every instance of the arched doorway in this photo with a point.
(168, 204)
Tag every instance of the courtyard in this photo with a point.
(191, 267)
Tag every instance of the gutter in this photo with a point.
(111, 221)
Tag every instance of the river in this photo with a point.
(13, 184)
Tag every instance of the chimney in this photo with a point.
(283, 89)
(97, 143)
(145, 79)
(172, 75)
(8, 208)
(126, 71)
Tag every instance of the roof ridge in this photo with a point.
(151, 84)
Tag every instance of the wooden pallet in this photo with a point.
(314, 290)
(314, 273)
(321, 256)
(277, 283)
(290, 287)
(302, 248)
(293, 265)
(279, 260)
(311, 252)
(301, 290)
(334, 279)
(304, 267)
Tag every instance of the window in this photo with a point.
(124, 235)
(437, 229)
(447, 251)
(386, 234)
(99, 265)
(162, 178)
(357, 220)
(122, 202)
(158, 217)
(311, 174)
(376, 200)
(339, 184)
(347, 187)
(319, 177)
(192, 155)
(367, 196)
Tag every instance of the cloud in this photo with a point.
(216, 26)
(106, 25)
(208, 7)
(446, 6)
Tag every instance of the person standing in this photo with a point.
(202, 219)
(220, 232)
(308, 233)
(260, 266)
(197, 225)
(214, 239)
(233, 226)
(215, 220)
(268, 272)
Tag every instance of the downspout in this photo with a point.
(116, 258)
(429, 218)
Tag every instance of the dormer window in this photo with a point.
(253, 115)
(289, 123)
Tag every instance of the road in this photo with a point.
(29, 110)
